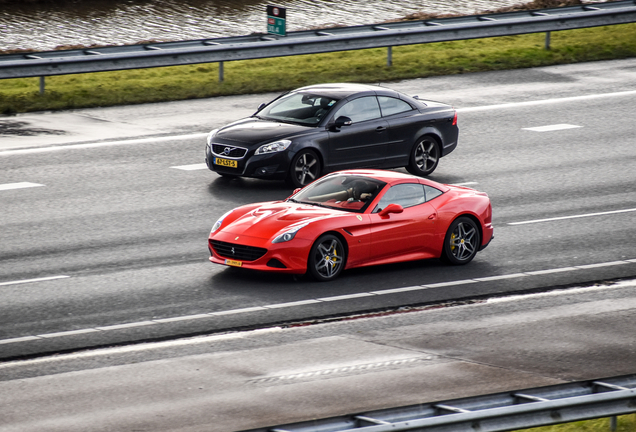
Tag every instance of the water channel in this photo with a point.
(46, 25)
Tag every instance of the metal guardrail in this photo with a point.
(489, 413)
(315, 41)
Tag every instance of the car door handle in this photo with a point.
(380, 129)
(433, 216)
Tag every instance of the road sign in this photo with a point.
(276, 20)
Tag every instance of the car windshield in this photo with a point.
(300, 108)
(351, 193)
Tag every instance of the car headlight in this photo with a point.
(219, 222)
(276, 146)
(211, 135)
(288, 235)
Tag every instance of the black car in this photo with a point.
(322, 128)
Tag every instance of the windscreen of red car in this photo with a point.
(352, 193)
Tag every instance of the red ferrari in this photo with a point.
(353, 219)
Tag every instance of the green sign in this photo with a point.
(276, 20)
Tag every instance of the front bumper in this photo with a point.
(272, 166)
(288, 257)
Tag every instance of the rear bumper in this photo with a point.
(483, 246)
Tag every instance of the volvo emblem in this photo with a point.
(227, 151)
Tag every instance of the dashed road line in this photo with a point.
(42, 279)
(551, 128)
(124, 326)
(192, 167)
(19, 185)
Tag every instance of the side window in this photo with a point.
(361, 109)
(391, 105)
(431, 192)
(406, 195)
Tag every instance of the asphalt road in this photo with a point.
(276, 375)
(108, 245)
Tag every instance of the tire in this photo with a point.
(304, 169)
(462, 241)
(425, 156)
(327, 258)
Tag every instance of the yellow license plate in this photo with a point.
(233, 263)
(226, 162)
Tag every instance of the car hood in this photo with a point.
(252, 131)
(270, 219)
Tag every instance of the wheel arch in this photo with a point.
(475, 219)
(342, 238)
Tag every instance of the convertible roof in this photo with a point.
(340, 90)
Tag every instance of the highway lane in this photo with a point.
(129, 229)
(274, 376)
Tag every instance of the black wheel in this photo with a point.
(327, 258)
(424, 156)
(462, 241)
(304, 169)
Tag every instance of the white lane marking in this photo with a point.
(319, 300)
(193, 167)
(573, 217)
(551, 128)
(182, 318)
(500, 277)
(20, 185)
(464, 184)
(126, 326)
(346, 297)
(67, 333)
(101, 144)
(546, 101)
(195, 340)
(23, 281)
(292, 304)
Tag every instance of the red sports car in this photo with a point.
(355, 218)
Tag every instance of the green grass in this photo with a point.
(283, 73)
(626, 423)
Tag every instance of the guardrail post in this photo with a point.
(221, 71)
(42, 85)
(613, 424)
(547, 40)
(389, 56)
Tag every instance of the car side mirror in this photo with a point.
(294, 192)
(391, 208)
(342, 121)
(261, 106)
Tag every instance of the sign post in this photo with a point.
(276, 20)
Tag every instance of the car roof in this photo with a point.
(341, 90)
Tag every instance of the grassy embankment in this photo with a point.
(626, 423)
(277, 74)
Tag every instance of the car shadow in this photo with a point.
(247, 190)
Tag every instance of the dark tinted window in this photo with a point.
(406, 195)
(390, 105)
(361, 109)
(300, 108)
(431, 192)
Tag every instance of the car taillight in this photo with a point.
(455, 119)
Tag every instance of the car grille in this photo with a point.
(237, 251)
(223, 150)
